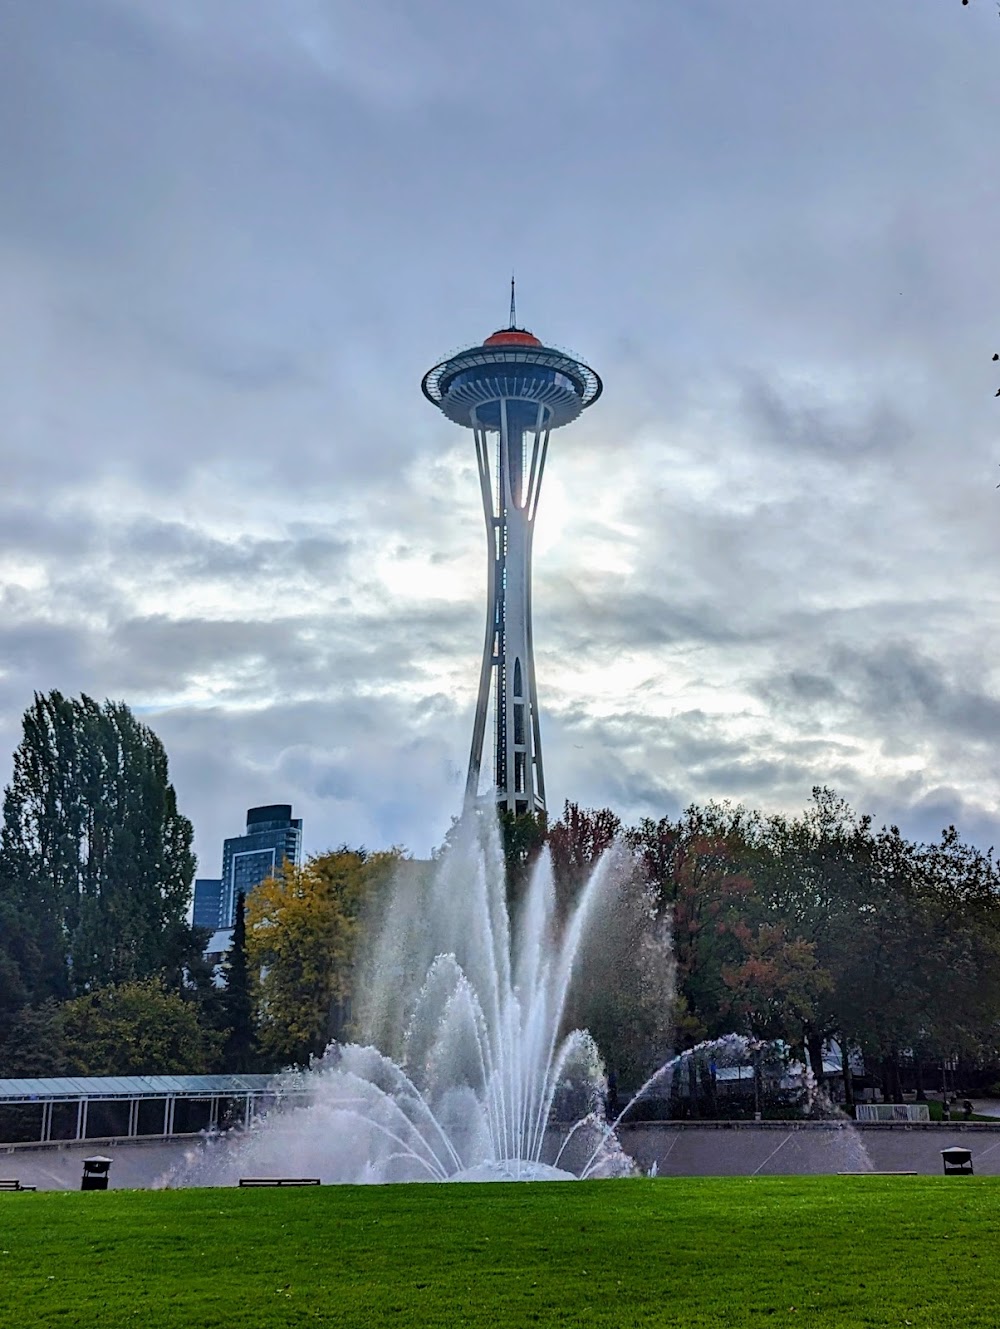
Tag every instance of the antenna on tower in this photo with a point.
(513, 315)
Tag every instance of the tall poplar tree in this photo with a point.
(39, 846)
(96, 864)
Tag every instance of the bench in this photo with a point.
(279, 1181)
(12, 1184)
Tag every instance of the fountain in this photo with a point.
(466, 1073)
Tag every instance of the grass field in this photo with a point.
(827, 1251)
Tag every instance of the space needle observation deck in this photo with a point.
(516, 390)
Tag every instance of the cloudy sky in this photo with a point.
(234, 234)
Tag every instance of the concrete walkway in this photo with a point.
(985, 1107)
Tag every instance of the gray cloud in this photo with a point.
(234, 236)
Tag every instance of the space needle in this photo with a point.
(518, 390)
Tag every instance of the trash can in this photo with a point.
(957, 1162)
(95, 1173)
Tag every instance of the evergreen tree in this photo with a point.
(239, 1053)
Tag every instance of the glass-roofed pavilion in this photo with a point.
(128, 1107)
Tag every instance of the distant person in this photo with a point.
(967, 1109)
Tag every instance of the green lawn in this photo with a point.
(828, 1251)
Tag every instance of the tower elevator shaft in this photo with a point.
(510, 484)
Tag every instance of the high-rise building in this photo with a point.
(207, 902)
(516, 389)
(272, 837)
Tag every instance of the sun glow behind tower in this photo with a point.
(516, 390)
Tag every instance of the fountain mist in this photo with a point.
(467, 1072)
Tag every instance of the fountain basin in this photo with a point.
(513, 1169)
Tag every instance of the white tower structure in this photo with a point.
(515, 391)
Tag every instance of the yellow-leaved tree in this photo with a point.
(304, 927)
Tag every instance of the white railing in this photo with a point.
(892, 1112)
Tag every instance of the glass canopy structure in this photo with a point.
(72, 1109)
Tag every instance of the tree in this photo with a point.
(237, 1000)
(623, 979)
(136, 1029)
(576, 843)
(16, 945)
(35, 1045)
(697, 868)
(523, 835)
(622, 989)
(303, 930)
(815, 878)
(96, 861)
(775, 986)
(39, 845)
(927, 984)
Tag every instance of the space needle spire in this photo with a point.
(511, 391)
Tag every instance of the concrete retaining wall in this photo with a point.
(741, 1149)
(679, 1149)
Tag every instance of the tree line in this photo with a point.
(814, 930)
(802, 929)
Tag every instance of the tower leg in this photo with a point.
(490, 643)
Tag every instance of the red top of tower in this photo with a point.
(512, 337)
